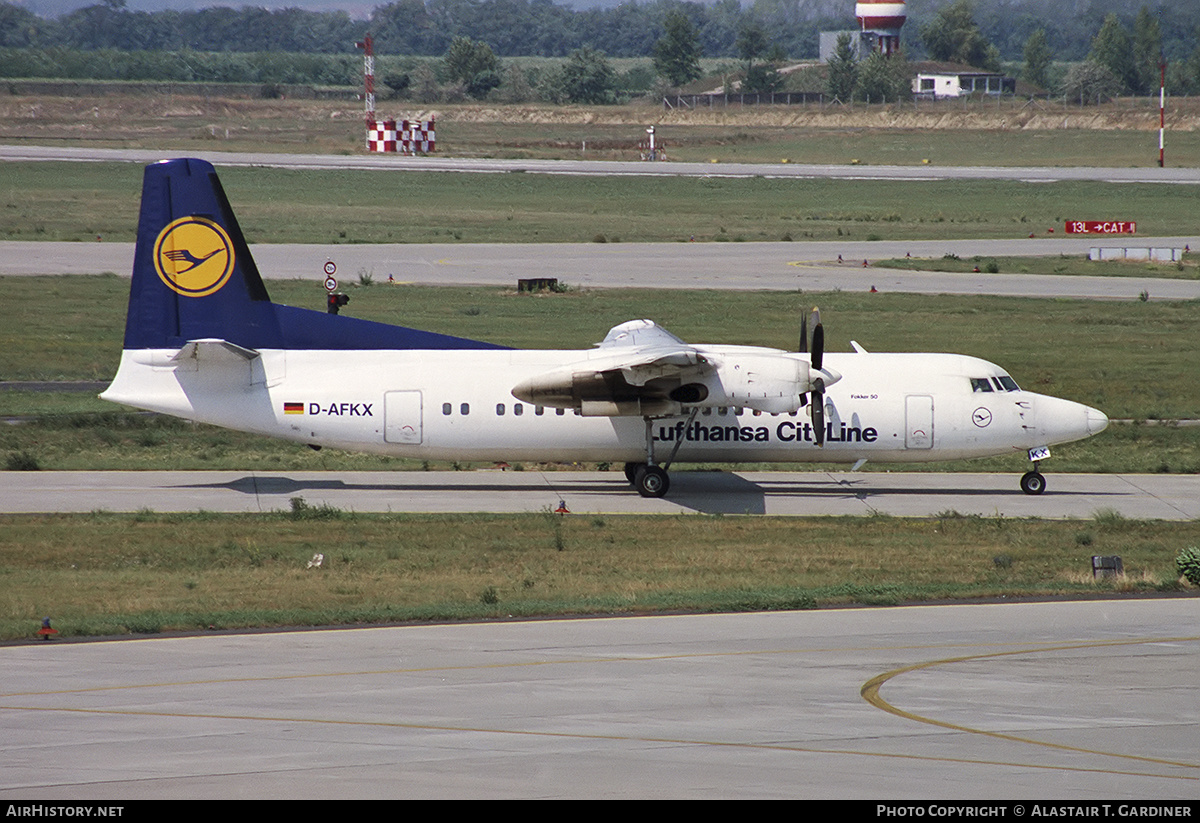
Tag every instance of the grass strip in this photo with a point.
(1186, 269)
(344, 206)
(144, 573)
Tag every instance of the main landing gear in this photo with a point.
(650, 481)
(649, 478)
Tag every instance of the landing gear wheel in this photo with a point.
(651, 481)
(631, 470)
(1033, 483)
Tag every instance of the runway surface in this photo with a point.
(397, 162)
(766, 266)
(1088, 700)
(902, 494)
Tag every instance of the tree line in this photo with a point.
(1121, 53)
(543, 28)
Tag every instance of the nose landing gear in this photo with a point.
(1033, 482)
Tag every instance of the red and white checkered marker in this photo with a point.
(411, 137)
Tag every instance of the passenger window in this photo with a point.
(499, 409)
(464, 409)
(560, 412)
(446, 409)
(539, 410)
(518, 409)
(979, 384)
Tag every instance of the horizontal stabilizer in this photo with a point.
(214, 351)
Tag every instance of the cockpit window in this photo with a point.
(1008, 383)
(980, 384)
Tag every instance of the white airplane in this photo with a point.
(204, 342)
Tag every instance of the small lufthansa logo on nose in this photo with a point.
(981, 417)
(193, 256)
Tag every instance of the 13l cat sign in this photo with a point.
(1101, 227)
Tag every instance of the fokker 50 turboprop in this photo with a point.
(204, 342)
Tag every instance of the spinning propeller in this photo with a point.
(816, 411)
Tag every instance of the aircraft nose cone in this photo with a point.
(1097, 421)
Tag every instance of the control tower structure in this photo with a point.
(880, 22)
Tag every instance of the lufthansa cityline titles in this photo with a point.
(786, 432)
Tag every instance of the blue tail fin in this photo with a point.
(194, 279)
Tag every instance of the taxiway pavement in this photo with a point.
(810, 267)
(902, 494)
(401, 163)
(1088, 700)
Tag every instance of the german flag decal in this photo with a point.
(293, 408)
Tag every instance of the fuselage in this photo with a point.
(458, 405)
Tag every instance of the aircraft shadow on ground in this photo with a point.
(717, 493)
(841, 487)
(701, 492)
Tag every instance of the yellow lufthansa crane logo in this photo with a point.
(193, 256)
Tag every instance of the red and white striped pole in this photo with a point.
(369, 77)
(1162, 107)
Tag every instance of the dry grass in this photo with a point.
(102, 574)
(976, 132)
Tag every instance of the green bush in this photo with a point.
(301, 510)
(1188, 563)
(22, 462)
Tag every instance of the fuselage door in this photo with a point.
(918, 416)
(402, 417)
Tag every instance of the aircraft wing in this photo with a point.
(642, 369)
(643, 351)
(634, 371)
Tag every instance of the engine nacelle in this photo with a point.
(766, 381)
(771, 383)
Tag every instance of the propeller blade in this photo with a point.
(803, 336)
(817, 412)
(818, 346)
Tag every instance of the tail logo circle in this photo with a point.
(193, 256)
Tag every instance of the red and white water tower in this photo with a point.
(880, 21)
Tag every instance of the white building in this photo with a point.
(934, 85)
